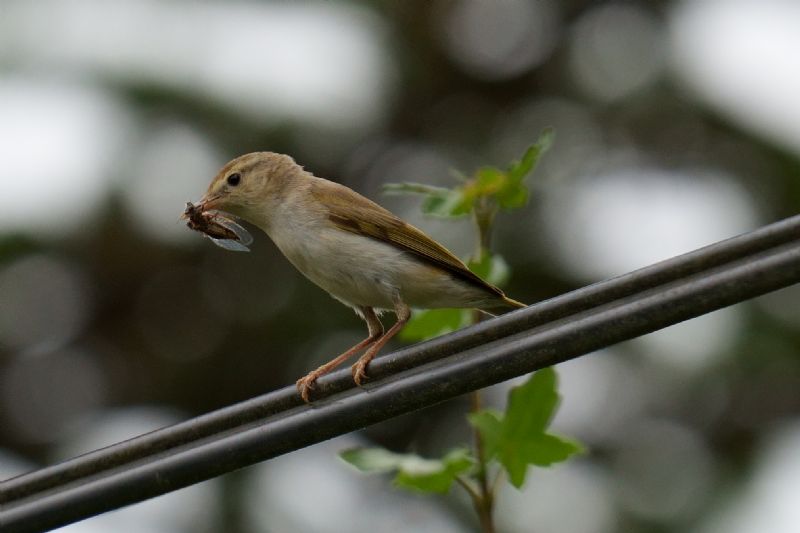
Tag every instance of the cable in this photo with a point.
(262, 406)
(493, 351)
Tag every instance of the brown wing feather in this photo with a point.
(352, 212)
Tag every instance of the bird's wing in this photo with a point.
(352, 212)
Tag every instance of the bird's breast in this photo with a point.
(362, 271)
(354, 269)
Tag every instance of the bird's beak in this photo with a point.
(209, 202)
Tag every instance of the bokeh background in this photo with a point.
(677, 123)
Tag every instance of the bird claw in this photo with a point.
(359, 373)
(305, 385)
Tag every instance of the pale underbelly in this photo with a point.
(374, 274)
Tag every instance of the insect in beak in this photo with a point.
(218, 227)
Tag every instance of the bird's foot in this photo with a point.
(306, 384)
(359, 370)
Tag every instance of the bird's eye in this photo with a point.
(234, 179)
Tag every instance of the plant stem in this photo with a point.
(483, 214)
(483, 501)
(469, 488)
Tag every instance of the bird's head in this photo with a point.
(251, 185)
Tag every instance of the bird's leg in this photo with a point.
(306, 383)
(403, 313)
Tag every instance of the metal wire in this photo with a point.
(421, 375)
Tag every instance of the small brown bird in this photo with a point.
(360, 253)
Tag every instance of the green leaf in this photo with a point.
(506, 188)
(450, 203)
(513, 196)
(519, 437)
(439, 201)
(532, 404)
(427, 475)
(413, 472)
(434, 322)
(490, 425)
(372, 460)
(519, 169)
(541, 450)
(491, 267)
(490, 180)
(550, 449)
(412, 188)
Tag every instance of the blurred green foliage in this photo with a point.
(504, 188)
(413, 472)
(519, 437)
(480, 196)
(516, 439)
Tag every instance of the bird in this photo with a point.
(354, 249)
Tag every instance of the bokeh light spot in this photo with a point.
(45, 303)
(45, 396)
(741, 57)
(175, 164)
(499, 40)
(616, 50)
(664, 471)
(267, 61)
(59, 144)
(610, 223)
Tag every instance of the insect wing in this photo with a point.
(229, 244)
(244, 236)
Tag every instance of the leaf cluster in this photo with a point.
(515, 439)
(412, 471)
(511, 441)
(519, 437)
(503, 188)
(482, 195)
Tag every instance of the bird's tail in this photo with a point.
(510, 302)
(505, 305)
